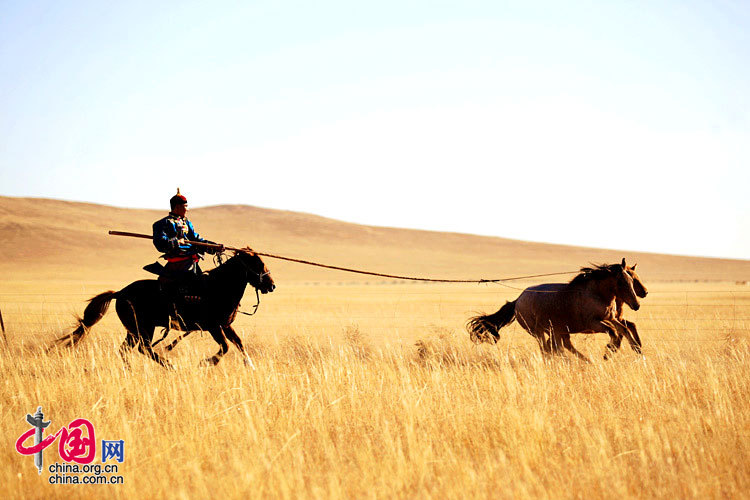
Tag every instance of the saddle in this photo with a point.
(182, 291)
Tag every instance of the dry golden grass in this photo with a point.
(373, 391)
(376, 391)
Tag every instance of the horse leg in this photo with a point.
(136, 338)
(547, 346)
(569, 346)
(149, 351)
(626, 331)
(165, 332)
(144, 346)
(631, 327)
(543, 339)
(140, 331)
(126, 346)
(621, 330)
(177, 341)
(218, 334)
(235, 339)
(555, 343)
(613, 328)
(614, 342)
(548, 349)
(542, 342)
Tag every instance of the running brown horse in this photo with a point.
(141, 307)
(641, 291)
(552, 312)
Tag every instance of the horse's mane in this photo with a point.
(222, 268)
(595, 273)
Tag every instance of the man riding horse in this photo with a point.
(183, 298)
(172, 236)
(180, 279)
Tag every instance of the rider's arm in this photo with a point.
(193, 236)
(164, 239)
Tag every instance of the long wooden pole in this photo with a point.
(357, 271)
(196, 243)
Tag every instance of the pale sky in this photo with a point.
(607, 124)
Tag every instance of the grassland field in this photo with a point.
(375, 391)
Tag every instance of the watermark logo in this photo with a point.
(113, 449)
(76, 445)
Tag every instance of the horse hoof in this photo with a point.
(209, 361)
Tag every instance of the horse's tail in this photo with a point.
(485, 328)
(91, 315)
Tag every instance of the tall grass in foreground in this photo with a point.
(440, 419)
(377, 392)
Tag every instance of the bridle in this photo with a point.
(255, 307)
(257, 293)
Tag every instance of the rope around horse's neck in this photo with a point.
(412, 278)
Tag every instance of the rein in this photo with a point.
(255, 307)
(257, 294)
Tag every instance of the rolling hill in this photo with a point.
(51, 239)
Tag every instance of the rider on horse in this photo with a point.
(180, 280)
(172, 236)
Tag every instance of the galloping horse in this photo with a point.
(553, 311)
(141, 307)
(641, 292)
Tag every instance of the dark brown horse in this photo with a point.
(552, 312)
(141, 307)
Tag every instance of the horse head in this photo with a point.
(258, 274)
(638, 286)
(625, 289)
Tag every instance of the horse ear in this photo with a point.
(633, 268)
(623, 262)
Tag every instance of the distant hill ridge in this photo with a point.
(65, 240)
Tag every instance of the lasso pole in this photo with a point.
(346, 269)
